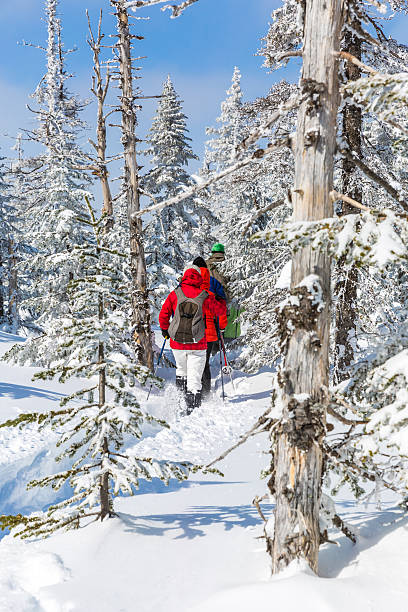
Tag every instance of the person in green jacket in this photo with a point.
(233, 329)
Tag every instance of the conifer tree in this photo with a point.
(7, 229)
(170, 234)
(92, 342)
(57, 186)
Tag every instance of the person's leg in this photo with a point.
(195, 368)
(206, 379)
(181, 369)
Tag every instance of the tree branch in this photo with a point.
(335, 195)
(260, 131)
(343, 419)
(176, 9)
(261, 422)
(354, 60)
(187, 193)
(259, 213)
(375, 177)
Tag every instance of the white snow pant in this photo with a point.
(190, 365)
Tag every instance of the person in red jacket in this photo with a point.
(183, 316)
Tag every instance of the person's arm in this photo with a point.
(167, 311)
(217, 288)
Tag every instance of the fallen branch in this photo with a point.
(203, 184)
(256, 502)
(340, 524)
(261, 422)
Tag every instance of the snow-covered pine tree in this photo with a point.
(58, 187)
(247, 202)
(170, 232)
(370, 238)
(7, 231)
(229, 133)
(19, 249)
(93, 342)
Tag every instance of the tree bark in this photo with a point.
(2, 290)
(304, 322)
(100, 90)
(139, 297)
(346, 286)
(104, 486)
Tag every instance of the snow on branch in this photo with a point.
(372, 238)
(262, 130)
(176, 9)
(204, 183)
(385, 95)
(395, 192)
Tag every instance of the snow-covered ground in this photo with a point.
(190, 546)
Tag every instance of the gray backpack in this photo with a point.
(188, 325)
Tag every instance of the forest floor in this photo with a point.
(194, 545)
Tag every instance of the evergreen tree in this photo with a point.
(58, 187)
(7, 230)
(92, 342)
(247, 202)
(170, 233)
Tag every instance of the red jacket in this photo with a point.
(210, 330)
(191, 285)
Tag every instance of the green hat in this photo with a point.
(218, 248)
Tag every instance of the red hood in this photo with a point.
(192, 277)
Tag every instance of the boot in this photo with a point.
(181, 383)
(190, 402)
(197, 399)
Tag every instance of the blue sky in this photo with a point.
(199, 50)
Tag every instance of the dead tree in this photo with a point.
(139, 292)
(100, 88)
(305, 320)
(346, 286)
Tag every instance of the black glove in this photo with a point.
(199, 261)
(165, 333)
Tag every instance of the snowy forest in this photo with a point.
(204, 353)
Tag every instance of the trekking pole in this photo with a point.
(217, 328)
(227, 368)
(157, 365)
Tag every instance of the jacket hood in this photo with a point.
(192, 277)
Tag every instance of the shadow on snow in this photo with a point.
(370, 526)
(23, 391)
(191, 524)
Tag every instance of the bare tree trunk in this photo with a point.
(140, 301)
(346, 286)
(2, 291)
(104, 491)
(100, 90)
(304, 323)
